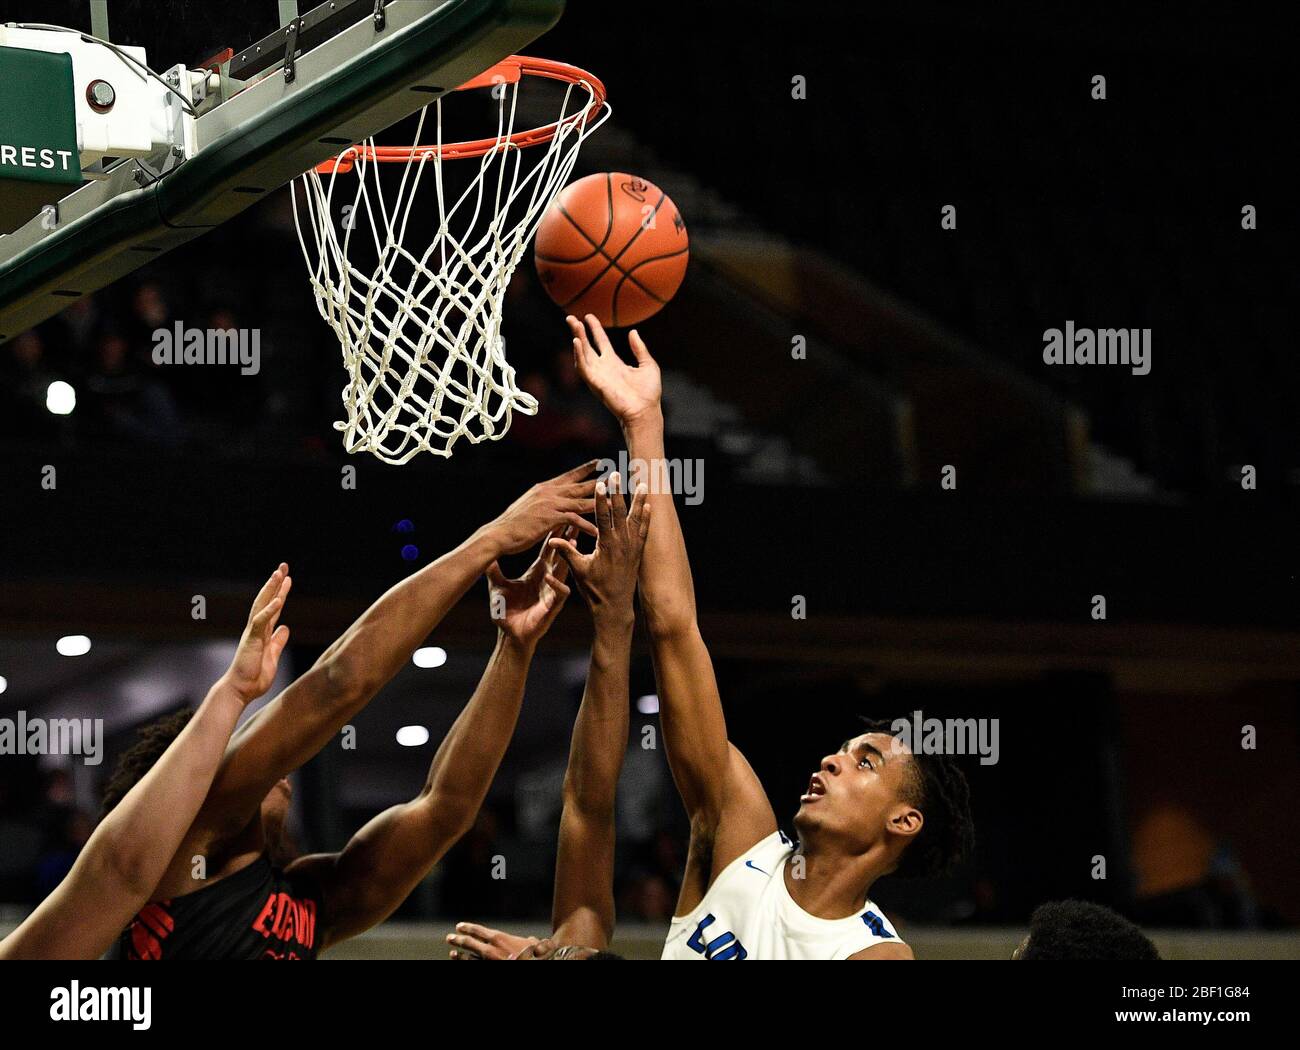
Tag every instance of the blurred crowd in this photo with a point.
(42, 829)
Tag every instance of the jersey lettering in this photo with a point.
(724, 946)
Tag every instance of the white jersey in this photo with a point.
(749, 914)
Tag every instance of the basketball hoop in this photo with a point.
(421, 333)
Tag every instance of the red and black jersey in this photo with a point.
(257, 913)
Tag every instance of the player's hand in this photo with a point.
(547, 507)
(252, 670)
(631, 392)
(607, 576)
(525, 608)
(473, 942)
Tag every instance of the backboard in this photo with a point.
(202, 145)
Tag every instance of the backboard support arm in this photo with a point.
(99, 19)
(265, 134)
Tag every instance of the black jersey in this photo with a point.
(257, 913)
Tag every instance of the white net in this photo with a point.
(421, 330)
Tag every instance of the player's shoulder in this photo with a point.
(769, 851)
(884, 951)
(767, 854)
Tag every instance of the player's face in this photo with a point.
(857, 791)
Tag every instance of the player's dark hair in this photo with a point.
(603, 956)
(1075, 929)
(151, 741)
(938, 788)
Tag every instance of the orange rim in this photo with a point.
(508, 71)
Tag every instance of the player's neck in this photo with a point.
(830, 886)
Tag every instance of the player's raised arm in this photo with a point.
(388, 858)
(695, 731)
(310, 712)
(582, 917)
(583, 908)
(120, 865)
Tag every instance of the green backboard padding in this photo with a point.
(38, 118)
(39, 160)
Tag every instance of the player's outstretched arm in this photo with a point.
(582, 915)
(294, 726)
(387, 859)
(695, 731)
(583, 908)
(120, 865)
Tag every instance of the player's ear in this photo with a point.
(906, 821)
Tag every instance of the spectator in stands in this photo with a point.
(125, 402)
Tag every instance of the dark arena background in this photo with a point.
(900, 506)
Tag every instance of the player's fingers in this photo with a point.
(559, 567)
(618, 506)
(644, 516)
(277, 643)
(580, 504)
(546, 556)
(579, 330)
(478, 931)
(473, 947)
(579, 472)
(582, 524)
(567, 548)
(559, 586)
(286, 585)
(574, 558)
(640, 505)
(639, 350)
(582, 359)
(495, 576)
(568, 535)
(261, 622)
(585, 490)
(528, 951)
(598, 335)
(268, 590)
(588, 355)
(604, 521)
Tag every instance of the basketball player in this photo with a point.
(117, 869)
(871, 808)
(1083, 930)
(230, 890)
(582, 915)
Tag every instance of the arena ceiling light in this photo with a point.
(73, 645)
(4, 683)
(60, 398)
(412, 736)
(430, 656)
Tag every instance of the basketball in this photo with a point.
(613, 245)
